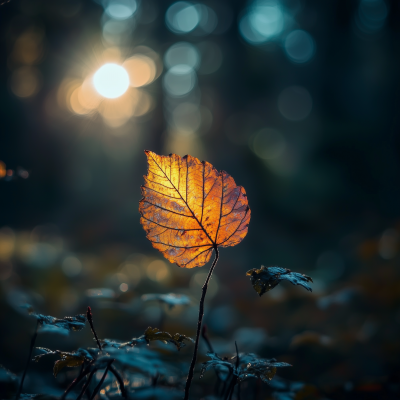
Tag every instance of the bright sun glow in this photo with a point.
(111, 81)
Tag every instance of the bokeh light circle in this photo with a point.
(141, 70)
(371, 15)
(262, 22)
(121, 9)
(179, 80)
(182, 53)
(182, 17)
(299, 46)
(111, 81)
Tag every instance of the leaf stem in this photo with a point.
(231, 386)
(211, 350)
(232, 389)
(90, 319)
(29, 359)
(85, 386)
(201, 313)
(120, 381)
(77, 380)
(237, 356)
(98, 387)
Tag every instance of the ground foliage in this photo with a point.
(150, 334)
(266, 278)
(48, 323)
(244, 366)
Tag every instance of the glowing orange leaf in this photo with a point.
(189, 208)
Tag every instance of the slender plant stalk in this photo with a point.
(111, 368)
(237, 368)
(90, 319)
(230, 388)
(257, 388)
(120, 381)
(76, 380)
(85, 386)
(201, 313)
(29, 359)
(154, 380)
(232, 383)
(237, 356)
(98, 387)
(225, 384)
(211, 350)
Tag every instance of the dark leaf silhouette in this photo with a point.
(53, 329)
(118, 345)
(8, 380)
(150, 335)
(171, 299)
(67, 361)
(250, 366)
(263, 369)
(266, 278)
(177, 339)
(142, 359)
(76, 323)
(6, 375)
(74, 359)
(189, 209)
(216, 362)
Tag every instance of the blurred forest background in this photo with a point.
(296, 99)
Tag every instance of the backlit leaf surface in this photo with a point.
(189, 208)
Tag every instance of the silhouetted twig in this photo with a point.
(211, 350)
(231, 386)
(237, 366)
(77, 380)
(85, 386)
(98, 387)
(90, 320)
(201, 313)
(154, 380)
(29, 359)
(233, 382)
(237, 356)
(120, 381)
